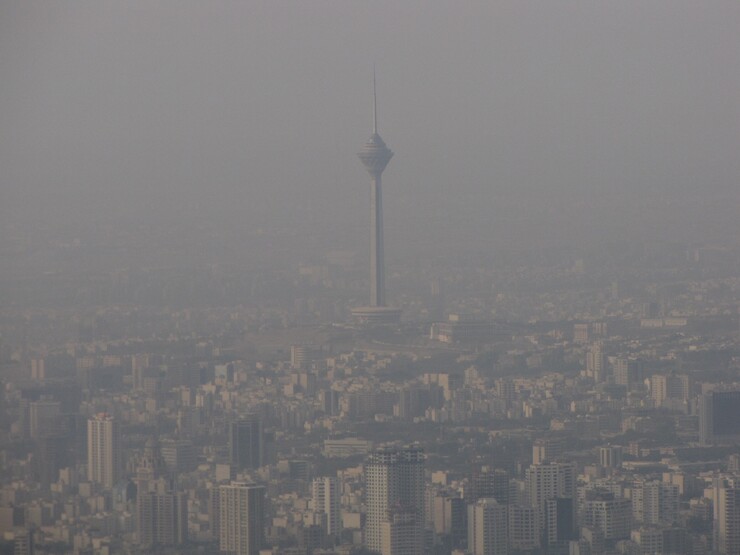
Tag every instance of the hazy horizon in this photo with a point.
(513, 123)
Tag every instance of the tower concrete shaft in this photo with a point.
(375, 157)
(377, 263)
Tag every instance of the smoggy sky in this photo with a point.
(560, 114)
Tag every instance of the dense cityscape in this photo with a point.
(555, 412)
(179, 378)
(549, 411)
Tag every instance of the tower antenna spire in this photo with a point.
(375, 105)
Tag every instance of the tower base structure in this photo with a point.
(376, 315)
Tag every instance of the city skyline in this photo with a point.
(200, 354)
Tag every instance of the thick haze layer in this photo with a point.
(513, 123)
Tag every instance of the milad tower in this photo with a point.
(375, 157)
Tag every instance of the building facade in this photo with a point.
(325, 498)
(394, 482)
(488, 528)
(246, 442)
(103, 450)
(241, 518)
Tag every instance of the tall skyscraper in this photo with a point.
(551, 489)
(524, 528)
(180, 455)
(490, 483)
(161, 516)
(719, 416)
(560, 524)
(610, 514)
(325, 497)
(596, 362)
(394, 480)
(161, 511)
(103, 450)
(488, 528)
(44, 417)
(548, 449)
(628, 372)
(447, 513)
(400, 533)
(241, 518)
(655, 502)
(550, 481)
(375, 157)
(670, 388)
(610, 456)
(726, 515)
(52, 453)
(246, 442)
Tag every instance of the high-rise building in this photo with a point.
(44, 417)
(609, 514)
(548, 449)
(214, 512)
(38, 369)
(610, 456)
(676, 539)
(580, 333)
(655, 502)
(325, 498)
(551, 490)
(246, 442)
(401, 533)
(733, 463)
(375, 157)
(560, 523)
(627, 372)
(488, 528)
(524, 528)
(449, 517)
(241, 518)
(727, 515)
(653, 539)
(599, 329)
(667, 387)
(330, 402)
(648, 539)
(23, 543)
(596, 362)
(52, 453)
(301, 356)
(414, 400)
(161, 517)
(394, 481)
(550, 481)
(489, 483)
(161, 511)
(179, 455)
(719, 416)
(103, 450)
(727, 518)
